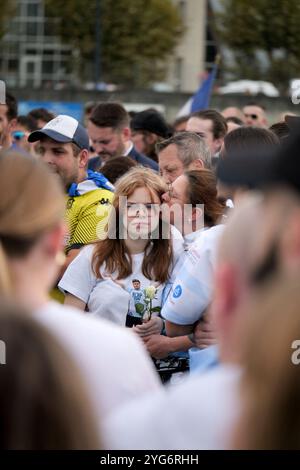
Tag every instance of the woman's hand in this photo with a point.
(151, 327)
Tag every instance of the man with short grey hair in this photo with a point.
(184, 151)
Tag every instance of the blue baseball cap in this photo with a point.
(63, 129)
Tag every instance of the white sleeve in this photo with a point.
(192, 289)
(191, 415)
(78, 278)
(113, 361)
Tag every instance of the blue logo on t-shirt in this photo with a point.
(177, 291)
(137, 295)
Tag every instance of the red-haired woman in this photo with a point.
(122, 277)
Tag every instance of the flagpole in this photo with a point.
(217, 62)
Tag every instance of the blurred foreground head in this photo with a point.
(44, 404)
(270, 388)
(239, 146)
(32, 206)
(276, 174)
(240, 251)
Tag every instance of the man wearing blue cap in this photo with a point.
(63, 145)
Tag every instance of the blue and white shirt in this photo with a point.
(192, 290)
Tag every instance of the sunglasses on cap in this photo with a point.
(18, 135)
(252, 116)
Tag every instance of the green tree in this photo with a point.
(7, 11)
(137, 36)
(247, 27)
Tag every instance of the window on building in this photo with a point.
(48, 67)
(33, 9)
(13, 65)
(31, 28)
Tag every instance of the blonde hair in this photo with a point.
(113, 251)
(44, 401)
(270, 387)
(31, 203)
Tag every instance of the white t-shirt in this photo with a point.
(110, 299)
(113, 362)
(188, 241)
(192, 289)
(199, 413)
(190, 238)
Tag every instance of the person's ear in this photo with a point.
(196, 165)
(53, 241)
(218, 144)
(83, 158)
(226, 295)
(126, 132)
(12, 125)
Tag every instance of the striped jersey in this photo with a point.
(87, 216)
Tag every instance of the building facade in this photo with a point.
(196, 51)
(31, 55)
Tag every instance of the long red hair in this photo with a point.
(112, 252)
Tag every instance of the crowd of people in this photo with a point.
(149, 279)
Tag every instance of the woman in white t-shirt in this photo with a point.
(194, 209)
(123, 276)
(192, 204)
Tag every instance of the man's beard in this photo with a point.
(67, 181)
(105, 156)
(2, 137)
(149, 149)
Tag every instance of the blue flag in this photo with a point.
(201, 98)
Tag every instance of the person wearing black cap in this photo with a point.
(277, 175)
(149, 127)
(63, 145)
(243, 146)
